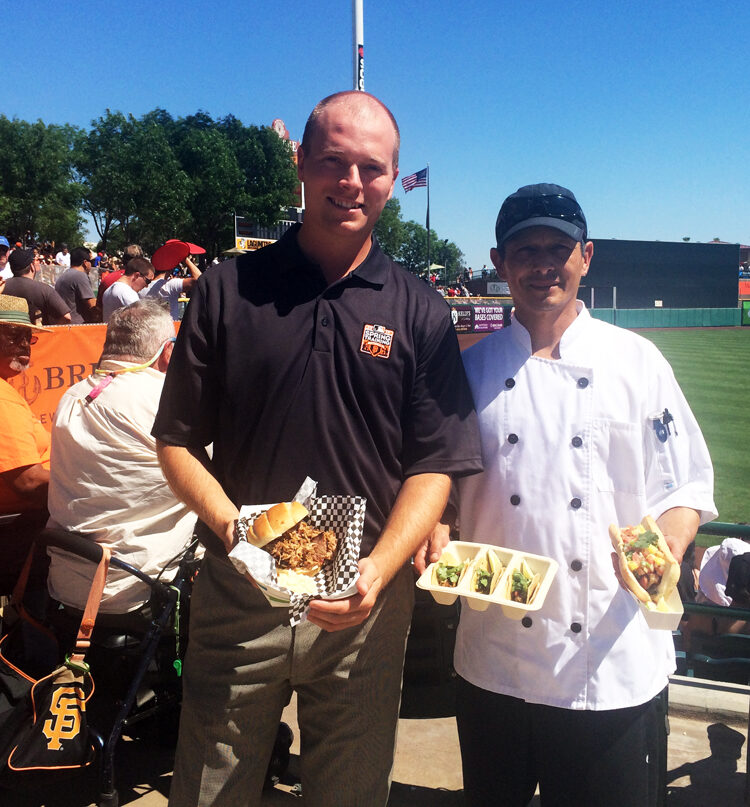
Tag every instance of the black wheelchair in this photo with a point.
(136, 669)
(136, 665)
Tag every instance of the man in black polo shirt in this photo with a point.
(314, 356)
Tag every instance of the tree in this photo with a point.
(447, 254)
(270, 177)
(413, 254)
(132, 179)
(390, 230)
(38, 198)
(209, 161)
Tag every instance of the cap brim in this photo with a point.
(194, 248)
(566, 227)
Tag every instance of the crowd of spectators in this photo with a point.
(63, 285)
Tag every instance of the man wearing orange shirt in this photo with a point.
(24, 449)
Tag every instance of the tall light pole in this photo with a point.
(359, 45)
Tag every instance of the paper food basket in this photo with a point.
(344, 515)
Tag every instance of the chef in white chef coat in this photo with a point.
(582, 425)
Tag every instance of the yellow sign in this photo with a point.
(252, 243)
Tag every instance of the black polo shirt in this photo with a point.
(358, 385)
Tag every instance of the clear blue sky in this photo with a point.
(640, 108)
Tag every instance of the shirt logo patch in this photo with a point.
(377, 341)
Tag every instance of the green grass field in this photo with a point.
(712, 366)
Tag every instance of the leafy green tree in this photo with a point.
(131, 177)
(38, 198)
(390, 230)
(447, 254)
(270, 177)
(413, 253)
(217, 181)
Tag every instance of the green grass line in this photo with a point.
(712, 365)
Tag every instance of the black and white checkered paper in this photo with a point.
(344, 515)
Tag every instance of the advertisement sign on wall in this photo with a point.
(477, 318)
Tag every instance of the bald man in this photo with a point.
(315, 356)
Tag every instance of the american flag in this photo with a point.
(418, 180)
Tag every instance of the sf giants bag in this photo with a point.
(43, 723)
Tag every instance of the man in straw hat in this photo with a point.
(24, 449)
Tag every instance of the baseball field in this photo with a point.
(712, 366)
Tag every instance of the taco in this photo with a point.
(449, 570)
(523, 584)
(647, 565)
(487, 573)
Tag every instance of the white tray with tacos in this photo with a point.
(490, 575)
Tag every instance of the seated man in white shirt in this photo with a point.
(105, 480)
(126, 290)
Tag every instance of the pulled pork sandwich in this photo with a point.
(300, 550)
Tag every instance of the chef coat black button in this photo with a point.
(576, 627)
(513, 438)
(515, 499)
(583, 383)
(324, 321)
(527, 622)
(577, 441)
(510, 383)
(576, 565)
(575, 503)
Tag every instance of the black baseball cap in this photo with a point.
(541, 205)
(19, 259)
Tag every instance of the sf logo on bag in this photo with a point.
(67, 704)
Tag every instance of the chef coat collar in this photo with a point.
(572, 337)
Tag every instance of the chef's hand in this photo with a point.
(676, 546)
(332, 615)
(432, 548)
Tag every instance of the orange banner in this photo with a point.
(744, 288)
(58, 360)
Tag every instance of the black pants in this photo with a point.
(613, 758)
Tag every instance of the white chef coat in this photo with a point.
(106, 482)
(569, 446)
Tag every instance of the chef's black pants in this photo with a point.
(612, 758)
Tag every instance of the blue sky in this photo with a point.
(640, 108)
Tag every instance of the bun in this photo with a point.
(275, 522)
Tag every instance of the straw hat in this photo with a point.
(15, 311)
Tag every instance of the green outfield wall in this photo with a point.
(671, 317)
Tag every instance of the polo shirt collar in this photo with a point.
(373, 269)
